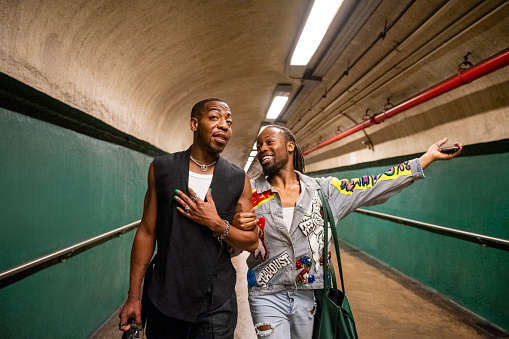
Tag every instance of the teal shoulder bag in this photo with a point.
(333, 318)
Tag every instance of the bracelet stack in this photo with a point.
(221, 237)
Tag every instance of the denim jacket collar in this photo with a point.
(262, 184)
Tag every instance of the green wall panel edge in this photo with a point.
(18, 97)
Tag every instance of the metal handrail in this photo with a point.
(478, 238)
(65, 253)
(68, 252)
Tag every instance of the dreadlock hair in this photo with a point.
(298, 158)
(199, 106)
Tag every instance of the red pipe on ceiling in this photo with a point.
(464, 77)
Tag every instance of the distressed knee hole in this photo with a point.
(263, 329)
(312, 311)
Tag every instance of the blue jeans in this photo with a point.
(284, 315)
(218, 324)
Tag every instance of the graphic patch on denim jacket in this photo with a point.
(272, 268)
(367, 181)
(312, 227)
(304, 264)
(261, 251)
(259, 198)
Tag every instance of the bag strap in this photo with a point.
(329, 219)
(327, 271)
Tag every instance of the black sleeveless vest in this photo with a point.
(191, 273)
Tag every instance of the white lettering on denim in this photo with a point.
(272, 268)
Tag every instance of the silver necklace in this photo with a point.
(203, 167)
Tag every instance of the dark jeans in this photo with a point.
(218, 324)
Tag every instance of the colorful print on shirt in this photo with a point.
(304, 264)
(311, 225)
(260, 198)
(257, 199)
(347, 187)
(261, 251)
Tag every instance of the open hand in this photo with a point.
(433, 153)
(435, 150)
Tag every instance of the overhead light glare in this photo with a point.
(276, 107)
(248, 164)
(279, 99)
(260, 131)
(317, 23)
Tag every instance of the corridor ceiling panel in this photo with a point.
(140, 66)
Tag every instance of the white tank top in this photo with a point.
(200, 183)
(288, 216)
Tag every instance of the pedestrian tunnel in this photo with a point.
(92, 91)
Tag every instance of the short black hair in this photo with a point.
(199, 106)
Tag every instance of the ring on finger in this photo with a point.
(194, 197)
(187, 209)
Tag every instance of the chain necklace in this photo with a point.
(203, 167)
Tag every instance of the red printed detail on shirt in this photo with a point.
(261, 252)
(260, 198)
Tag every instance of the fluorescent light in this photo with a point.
(255, 146)
(316, 26)
(279, 99)
(260, 131)
(277, 106)
(248, 164)
(253, 153)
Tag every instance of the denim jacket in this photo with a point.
(293, 259)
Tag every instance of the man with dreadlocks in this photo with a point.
(287, 266)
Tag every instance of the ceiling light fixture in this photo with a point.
(253, 152)
(279, 99)
(248, 164)
(317, 23)
(260, 131)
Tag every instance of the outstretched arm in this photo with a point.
(347, 195)
(434, 154)
(142, 251)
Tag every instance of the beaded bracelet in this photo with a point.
(224, 234)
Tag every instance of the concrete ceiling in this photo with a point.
(141, 65)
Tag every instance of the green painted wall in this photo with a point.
(468, 193)
(57, 188)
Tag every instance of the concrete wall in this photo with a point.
(474, 113)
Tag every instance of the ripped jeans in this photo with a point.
(284, 315)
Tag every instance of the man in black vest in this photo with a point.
(192, 196)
